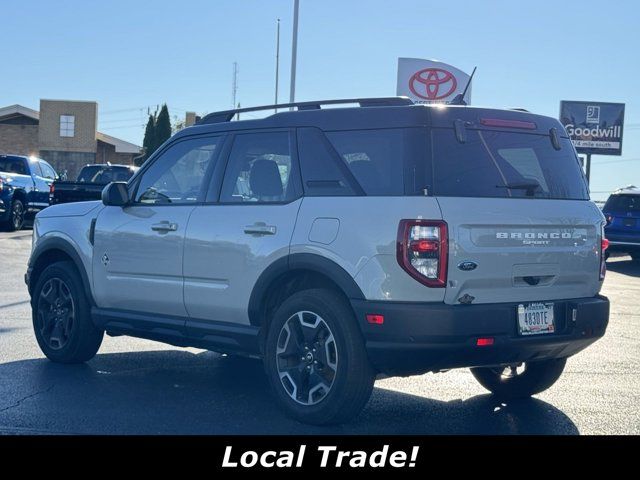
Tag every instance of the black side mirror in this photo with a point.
(115, 194)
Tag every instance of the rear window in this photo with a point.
(505, 164)
(623, 203)
(14, 165)
(96, 174)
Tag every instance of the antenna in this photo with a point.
(234, 84)
(459, 98)
(277, 61)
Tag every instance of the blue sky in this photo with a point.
(131, 55)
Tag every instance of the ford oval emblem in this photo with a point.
(467, 266)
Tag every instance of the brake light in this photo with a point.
(604, 244)
(1, 185)
(498, 122)
(422, 251)
(609, 219)
(52, 188)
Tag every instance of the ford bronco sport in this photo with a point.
(339, 244)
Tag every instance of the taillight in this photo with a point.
(52, 188)
(1, 184)
(422, 250)
(604, 244)
(609, 219)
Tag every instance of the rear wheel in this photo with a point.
(61, 316)
(520, 381)
(316, 360)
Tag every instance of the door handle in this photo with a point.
(164, 227)
(260, 228)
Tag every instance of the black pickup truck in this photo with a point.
(91, 180)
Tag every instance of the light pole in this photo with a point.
(294, 53)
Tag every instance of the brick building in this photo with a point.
(64, 133)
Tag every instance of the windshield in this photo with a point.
(504, 164)
(623, 203)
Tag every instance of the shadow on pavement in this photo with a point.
(178, 392)
(625, 267)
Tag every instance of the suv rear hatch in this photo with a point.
(520, 223)
(623, 217)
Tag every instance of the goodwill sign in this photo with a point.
(594, 127)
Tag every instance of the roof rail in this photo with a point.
(227, 115)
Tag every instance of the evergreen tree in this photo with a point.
(163, 126)
(149, 142)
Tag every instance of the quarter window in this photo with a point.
(260, 169)
(176, 177)
(67, 125)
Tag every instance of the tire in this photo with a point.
(535, 378)
(16, 216)
(61, 316)
(324, 322)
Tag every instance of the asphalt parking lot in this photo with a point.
(141, 387)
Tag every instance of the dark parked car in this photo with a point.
(622, 212)
(91, 180)
(24, 188)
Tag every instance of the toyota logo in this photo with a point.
(432, 84)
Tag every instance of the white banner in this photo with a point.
(429, 81)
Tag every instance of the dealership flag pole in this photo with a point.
(294, 53)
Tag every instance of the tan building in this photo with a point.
(64, 133)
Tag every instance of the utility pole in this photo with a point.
(294, 53)
(277, 60)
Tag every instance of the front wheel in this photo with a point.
(520, 381)
(16, 215)
(316, 360)
(62, 317)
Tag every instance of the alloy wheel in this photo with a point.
(17, 215)
(306, 358)
(56, 313)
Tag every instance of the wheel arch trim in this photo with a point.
(46, 245)
(300, 261)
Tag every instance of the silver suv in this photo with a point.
(339, 244)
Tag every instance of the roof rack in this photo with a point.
(227, 115)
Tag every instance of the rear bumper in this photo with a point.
(421, 337)
(626, 241)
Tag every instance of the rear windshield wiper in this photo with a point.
(529, 187)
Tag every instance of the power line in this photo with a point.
(607, 162)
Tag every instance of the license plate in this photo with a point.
(535, 318)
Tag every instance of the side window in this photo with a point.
(35, 169)
(323, 172)
(375, 157)
(176, 177)
(260, 169)
(47, 171)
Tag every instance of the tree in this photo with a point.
(149, 143)
(163, 126)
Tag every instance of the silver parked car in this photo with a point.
(339, 244)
